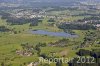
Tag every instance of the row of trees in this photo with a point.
(90, 39)
(4, 29)
(51, 20)
(19, 21)
(95, 54)
(77, 26)
(94, 57)
(91, 20)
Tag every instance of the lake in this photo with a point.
(58, 34)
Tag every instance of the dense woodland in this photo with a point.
(4, 29)
(93, 54)
(77, 26)
(19, 21)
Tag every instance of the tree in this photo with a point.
(44, 55)
(59, 63)
(15, 32)
(2, 64)
(4, 29)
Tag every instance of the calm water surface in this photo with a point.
(58, 34)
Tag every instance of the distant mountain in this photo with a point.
(10, 1)
(40, 3)
(27, 1)
(32, 1)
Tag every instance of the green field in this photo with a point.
(10, 42)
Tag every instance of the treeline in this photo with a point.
(94, 53)
(77, 26)
(35, 21)
(56, 9)
(19, 21)
(86, 58)
(90, 39)
(51, 20)
(4, 29)
(92, 19)
(62, 43)
(87, 14)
